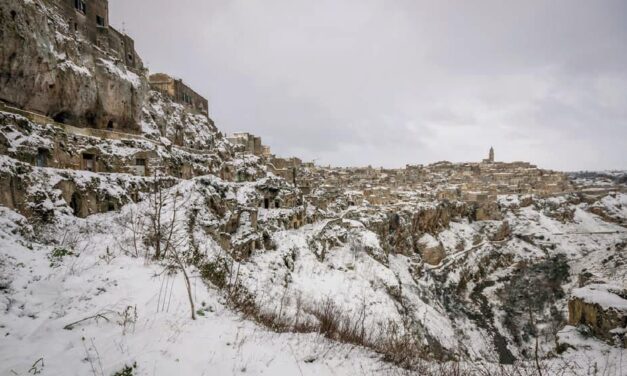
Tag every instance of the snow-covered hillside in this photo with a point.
(79, 293)
(136, 314)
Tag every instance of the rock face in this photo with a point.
(162, 117)
(602, 310)
(402, 230)
(502, 233)
(47, 67)
(431, 250)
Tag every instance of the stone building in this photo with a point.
(490, 158)
(62, 59)
(91, 19)
(287, 168)
(179, 92)
(250, 143)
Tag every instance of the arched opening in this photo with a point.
(75, 204)
(110, 125)
(62, 117)
(277, 204)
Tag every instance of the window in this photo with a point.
(100, 21)
(89, 162)
(80, 6)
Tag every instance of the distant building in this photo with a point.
(250, 143)
(179, 92)
(490, 158)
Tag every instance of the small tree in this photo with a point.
(165, 230)
(161, 224)
(177, 261)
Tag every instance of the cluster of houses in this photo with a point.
(469, 182)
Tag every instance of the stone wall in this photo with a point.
(179, 92)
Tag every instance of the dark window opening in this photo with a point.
(130, 57)
(110, 125)
(266, 203)
(140, 162)
(110, 207)
(62, 117)
(90, 117)
(100, 21)
(75, 26)
(80, 6)
(13, 14)
(277, 204)
(75, 204)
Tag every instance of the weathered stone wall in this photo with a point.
(84, 20)
(179, 92)
(46, 67)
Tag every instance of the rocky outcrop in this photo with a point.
(430, 249)
(162, 117)
(601, 308)
(47, 67)
(400, 229)
(502, 233)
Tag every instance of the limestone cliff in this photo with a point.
(47, 67)
(602, 309)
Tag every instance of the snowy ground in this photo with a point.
(41, 300)
(145, 315)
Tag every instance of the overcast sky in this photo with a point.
(392, 82)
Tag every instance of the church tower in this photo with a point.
(491, 156)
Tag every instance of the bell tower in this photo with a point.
(491, 155)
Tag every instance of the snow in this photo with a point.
(429, 241)
(603, 295)
(68, 64)
(121, 72)
(162, 341)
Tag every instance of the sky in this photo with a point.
(396, 82)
